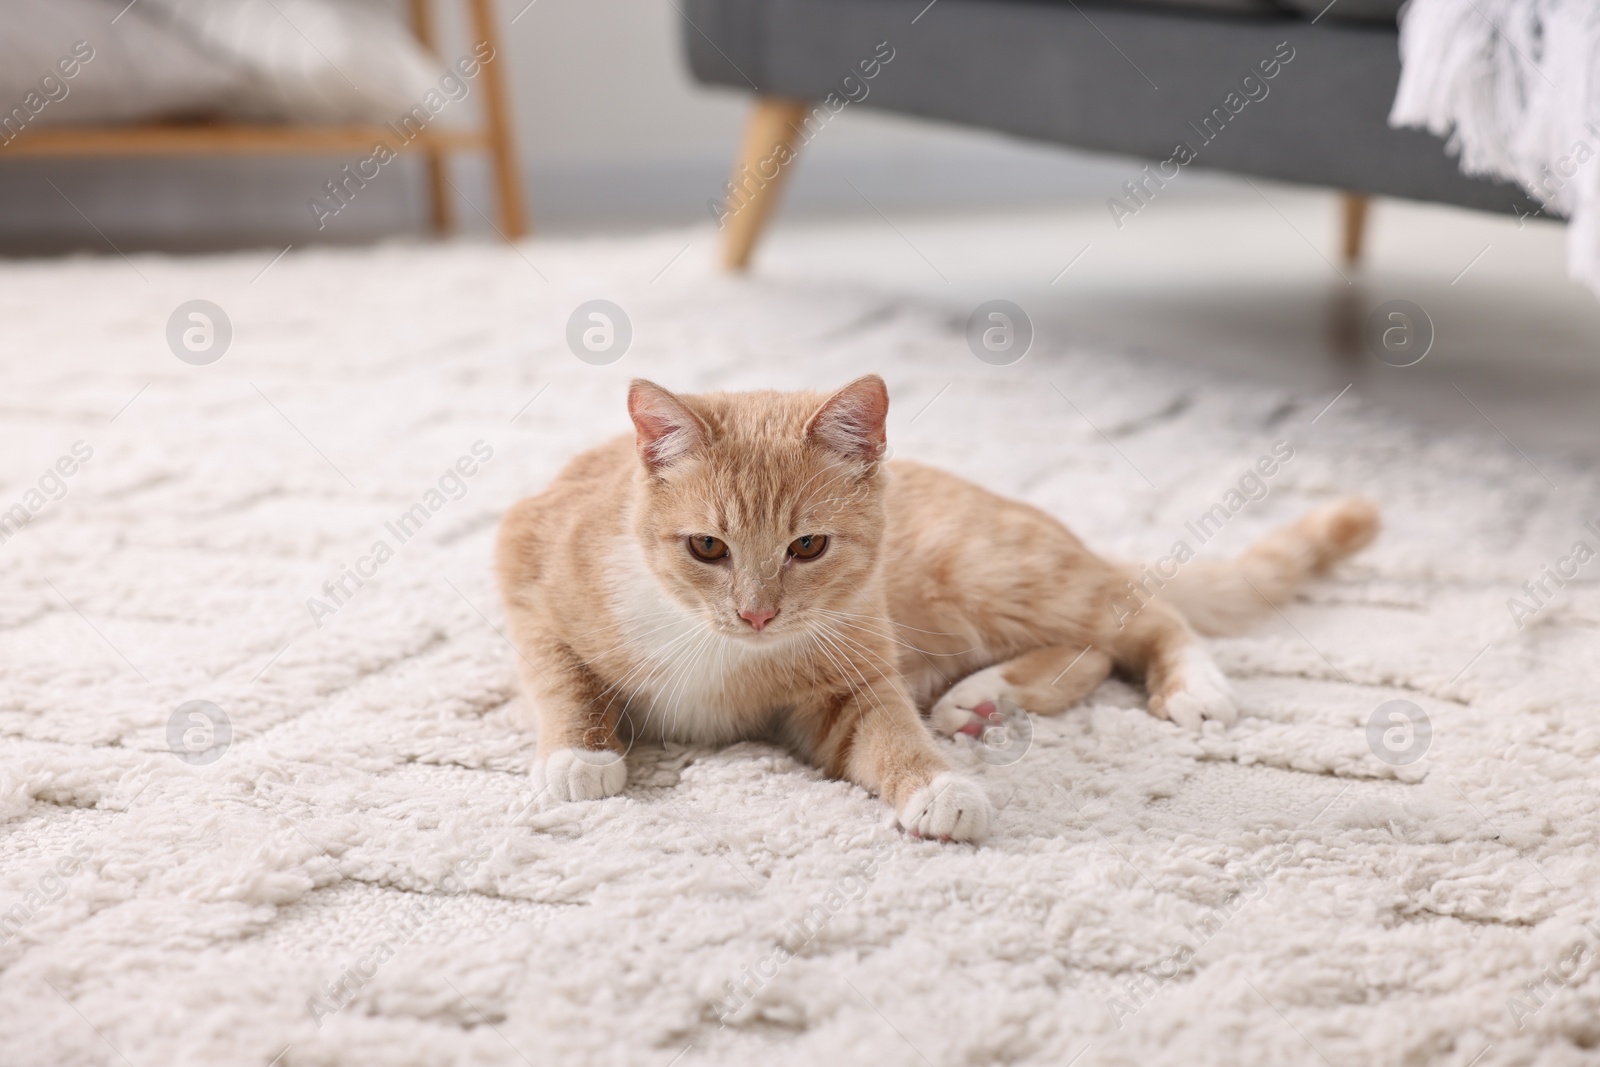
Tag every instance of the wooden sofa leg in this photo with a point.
(765, 156)
(1353, 208)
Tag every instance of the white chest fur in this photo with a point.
(679, 678)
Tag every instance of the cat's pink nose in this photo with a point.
(758, 618)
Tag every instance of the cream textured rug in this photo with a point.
(356, 869)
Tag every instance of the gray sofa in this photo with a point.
(1133, 77)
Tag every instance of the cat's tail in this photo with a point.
(1224, 596)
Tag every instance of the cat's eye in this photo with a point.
(808, 547)
(707, 548)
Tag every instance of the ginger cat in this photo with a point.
(749, 566)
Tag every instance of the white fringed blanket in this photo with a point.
(1513, 84)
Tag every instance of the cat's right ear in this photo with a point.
(666, 430)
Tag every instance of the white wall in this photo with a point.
(604, 82)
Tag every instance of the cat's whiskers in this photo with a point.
(576, 668)
(823, 632)
(848, 619)
(885, 619)
(840, 637)
(634, 637)
(652, 660)
(647, 669)
(838, 634)
(722, 666)
(861, 708)
(630, 620)
(892, 669)
(649, 661)
(685, 670)
(584, 659)
(817, 639)
(889, 668)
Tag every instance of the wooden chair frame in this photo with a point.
(243, 139)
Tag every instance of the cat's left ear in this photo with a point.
(851, 421)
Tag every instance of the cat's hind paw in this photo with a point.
(581, 774)
(1195, 693)
(970, 704)
(950, 808)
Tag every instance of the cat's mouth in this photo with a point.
(773, 632)
(763, 636)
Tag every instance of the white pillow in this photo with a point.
(310, 60)
(136, 70)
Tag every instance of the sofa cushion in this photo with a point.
(1326, 123)
(1347, 10)
(1238, 7)
(1384, 11)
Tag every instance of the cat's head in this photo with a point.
(764, 511)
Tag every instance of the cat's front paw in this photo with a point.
(581, 774)
(950, 808)
(1197, 691)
